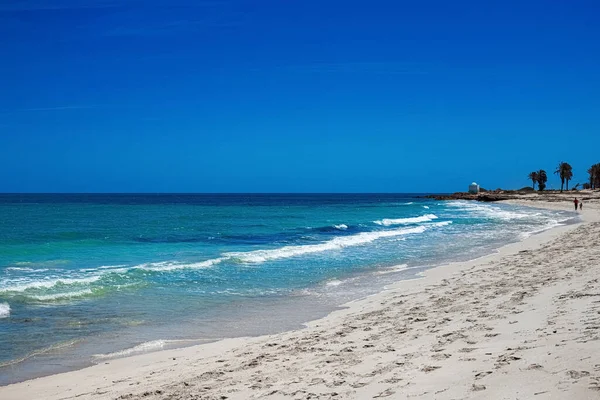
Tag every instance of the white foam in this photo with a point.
(259, 256)
(4, 310)
(426, 207)
(26, 269)
(61, 296)
(406, 221)
(140, 348)
(493, 212)
(112, 267)
(397, 268)
(443, 223)
(334, 282)
(107, 269)
(551, 224)
(47, 283)
(172, 265)
(341, 227)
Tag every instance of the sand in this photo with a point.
(523, 323)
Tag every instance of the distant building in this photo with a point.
(474, 188)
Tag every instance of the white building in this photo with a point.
(474, 188)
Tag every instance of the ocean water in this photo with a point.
(86, 278)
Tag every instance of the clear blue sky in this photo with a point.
(295, 96)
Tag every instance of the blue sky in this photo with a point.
(295, 96)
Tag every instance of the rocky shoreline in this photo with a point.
(486, 197)
(491, 196)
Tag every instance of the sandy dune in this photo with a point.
(520, 324)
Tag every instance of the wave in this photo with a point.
(259, 256)
(47, 284)
(406, 221)
(334, 282)
(172, 265)
(25, 269)
(54, 347)
(341, 227)
(4, 310)
(426, 207)
(31, 289)
(170, 239)
(140, 348)
(61, 296)
(112, 267)
(152, 345)
(55, 288)
(107, 269)
(397, 268)
(492, 212)
(551, 224)
(443, 223)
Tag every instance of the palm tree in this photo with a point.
(534, 177)
(568, 170)
(565, 171)
(542, 179)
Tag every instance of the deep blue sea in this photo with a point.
(85, 278)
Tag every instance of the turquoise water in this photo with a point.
(85, 278)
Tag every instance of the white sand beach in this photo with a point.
(523, 323)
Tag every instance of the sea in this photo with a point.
(86, 278)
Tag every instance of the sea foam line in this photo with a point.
(406, 221)
(391, 270)
(57, 346)
(140, 348)
(152, 345)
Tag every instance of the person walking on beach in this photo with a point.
(576, 202)
(581, 205)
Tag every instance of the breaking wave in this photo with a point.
(406, 221)
(48, 284)
(61, 296)
(491, 212)
(173, 265)
(259, 256)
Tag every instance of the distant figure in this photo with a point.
(576, 202)
(581, 206)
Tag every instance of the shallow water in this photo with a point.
(84, 278)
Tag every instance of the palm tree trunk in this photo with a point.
(567, 185)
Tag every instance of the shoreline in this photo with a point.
(114, 377)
